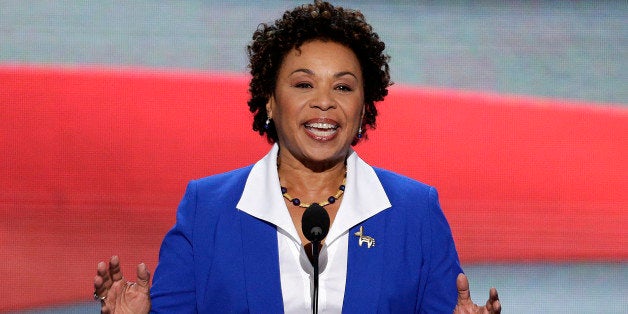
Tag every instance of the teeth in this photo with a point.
(321, 129)
(320, 125)
(322, 133)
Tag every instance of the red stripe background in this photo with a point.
(94, 162)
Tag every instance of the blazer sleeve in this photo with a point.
(441, 294)
(173, 289)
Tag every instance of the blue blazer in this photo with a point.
(217, 259)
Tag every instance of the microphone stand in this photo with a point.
(315, 254)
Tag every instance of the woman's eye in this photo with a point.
(344, 88)
(303, 85)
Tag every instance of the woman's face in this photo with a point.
(318, 102)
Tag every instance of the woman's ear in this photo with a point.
(269, 106)
(362, 115)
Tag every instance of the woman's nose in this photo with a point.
(324, 100)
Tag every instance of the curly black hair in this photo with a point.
(305, 23)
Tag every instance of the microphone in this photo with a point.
(315, 225)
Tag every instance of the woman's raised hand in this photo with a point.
(466, 306)
(116, 294)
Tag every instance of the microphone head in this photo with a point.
(315, 223)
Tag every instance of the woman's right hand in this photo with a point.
(116, 294)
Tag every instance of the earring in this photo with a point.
(361, 122)
(267, 124)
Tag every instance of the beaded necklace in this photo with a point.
(330, 200)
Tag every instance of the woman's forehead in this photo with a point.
(321, 55)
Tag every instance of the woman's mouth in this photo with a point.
(321, 131)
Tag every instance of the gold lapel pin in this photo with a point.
(370, 242)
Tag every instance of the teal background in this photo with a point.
(557, 49)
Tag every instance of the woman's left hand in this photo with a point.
(466, 306)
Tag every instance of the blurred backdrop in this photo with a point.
(566, 60)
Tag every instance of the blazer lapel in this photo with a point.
(365, 266)
(261, 265)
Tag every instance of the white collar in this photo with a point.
(262, 197)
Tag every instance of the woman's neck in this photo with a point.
(310, 183)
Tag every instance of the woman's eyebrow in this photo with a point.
(337, 75)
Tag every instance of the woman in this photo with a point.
(238, 245)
